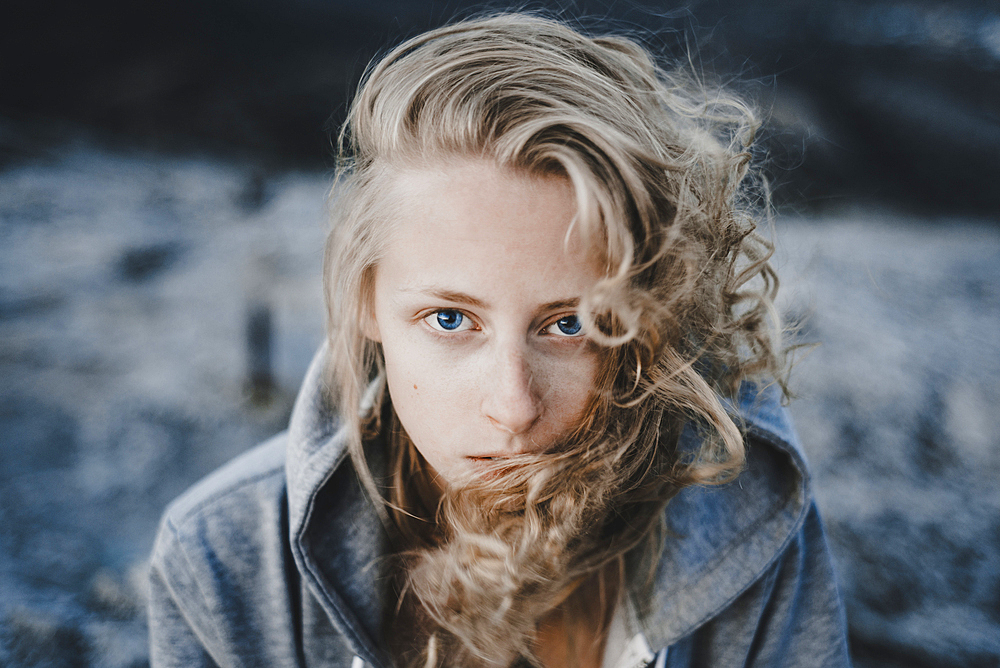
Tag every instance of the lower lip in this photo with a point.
(485, 467)
(484, 461)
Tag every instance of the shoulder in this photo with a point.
(737, 553)
(220, 554)
(723, 538)
(222, 580)
(790, 615)
(230, 522)
(773, 490)
(250, 483)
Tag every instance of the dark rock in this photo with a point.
(141, 264)
(32, 639)
(255, 193)
(111, 599)
(260, 379)
(885, 563)
(884, 653)
(26, 306)
(934, 455)
(37, 435)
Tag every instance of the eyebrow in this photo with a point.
(464, 298)
(561, 304)
(448, 295)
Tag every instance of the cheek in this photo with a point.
(427, 392)
(569, 385)
(432, 405)
(415, 372)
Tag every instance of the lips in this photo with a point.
(488, 461)
(494, 458)
(488, 467)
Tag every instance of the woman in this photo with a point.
(537, 434)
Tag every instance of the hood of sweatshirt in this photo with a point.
(720, 538)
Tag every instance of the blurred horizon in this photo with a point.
(895, 103)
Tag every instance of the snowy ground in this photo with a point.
(128, 284)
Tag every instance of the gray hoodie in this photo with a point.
(276, 559)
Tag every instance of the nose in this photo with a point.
(512, 402)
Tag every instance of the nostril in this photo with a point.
(515, 421)
(512, 404)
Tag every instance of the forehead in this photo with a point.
(469, 219)
(466, 195)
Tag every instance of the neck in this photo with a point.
(574, 634)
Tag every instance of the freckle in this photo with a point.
(414, 386)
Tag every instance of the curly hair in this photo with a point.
(667, 200)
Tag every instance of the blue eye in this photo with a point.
(448, 320)
(569, 325)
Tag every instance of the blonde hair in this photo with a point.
(659, 163)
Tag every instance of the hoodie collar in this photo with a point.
(720, 539)
(336, 537)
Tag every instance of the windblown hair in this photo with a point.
(660, 167)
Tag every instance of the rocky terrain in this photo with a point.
(157, 313)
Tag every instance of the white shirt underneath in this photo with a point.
(626, 646)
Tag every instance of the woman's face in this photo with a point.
(475, 305)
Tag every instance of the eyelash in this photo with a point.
(433, 321)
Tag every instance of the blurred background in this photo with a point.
(164, 169)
